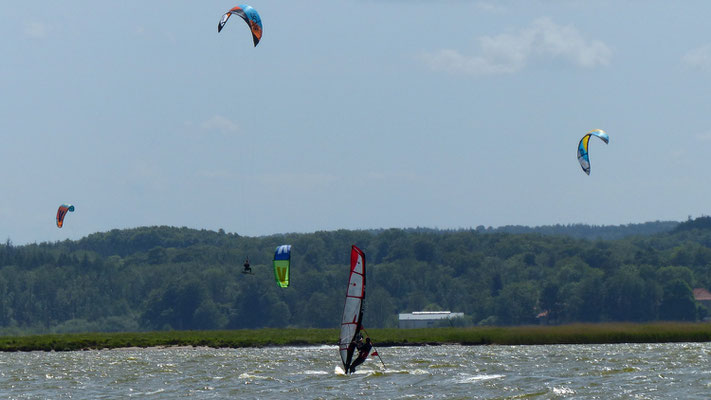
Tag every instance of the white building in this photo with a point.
(425, 319)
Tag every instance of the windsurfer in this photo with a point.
(363, 352)
(247, 268)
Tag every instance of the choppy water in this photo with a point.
(627, 371)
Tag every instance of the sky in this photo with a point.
(350, 114)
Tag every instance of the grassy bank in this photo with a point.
(523, 335)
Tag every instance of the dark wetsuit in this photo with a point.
(246, 267)
(363, 351)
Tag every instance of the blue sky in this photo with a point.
(351, 114)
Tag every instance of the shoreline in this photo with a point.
(602, 333)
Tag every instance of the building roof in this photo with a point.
(701, 294)
(430, 315)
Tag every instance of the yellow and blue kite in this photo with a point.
(583, 157)
(282, 259)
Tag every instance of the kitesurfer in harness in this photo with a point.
(247, 268)
(363, 351)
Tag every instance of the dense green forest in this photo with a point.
(593, 232)
(160, 278)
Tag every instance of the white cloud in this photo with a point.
(699, 58)
(703, 137)
(220, 124)
(511, 52)
(37, 30)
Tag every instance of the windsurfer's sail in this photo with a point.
(353, 308)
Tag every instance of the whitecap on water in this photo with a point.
(153, 392)
(325, 347)
(478, 378)
(418, 372)
(563, 390)
(339, 371)
(313, 373)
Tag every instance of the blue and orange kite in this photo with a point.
(249, 15)
(61, 212)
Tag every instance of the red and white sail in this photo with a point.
(353, 308)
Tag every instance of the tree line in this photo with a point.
(160, 278)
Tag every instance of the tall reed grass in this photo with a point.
(520, 335)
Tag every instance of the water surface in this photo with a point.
(619, 371)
